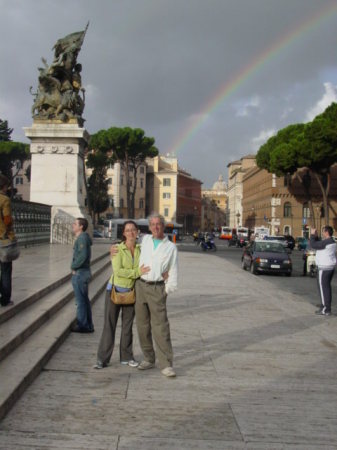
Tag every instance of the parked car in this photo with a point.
(266, 256)
(97, 234)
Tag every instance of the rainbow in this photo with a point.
(270, 53)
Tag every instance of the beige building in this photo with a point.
(173, 192)
(236, 172)
(117, 191)
(214, 205)
(20, 181)
(281, 204)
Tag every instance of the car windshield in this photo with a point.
(272, 247)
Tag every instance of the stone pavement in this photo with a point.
(41, 265)
(256, 370)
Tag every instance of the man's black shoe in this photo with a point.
(10, 303)
(77, 329)
(321, 312)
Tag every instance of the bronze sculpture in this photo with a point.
(60, 94)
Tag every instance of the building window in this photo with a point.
(142, 183)
(18, 180)
(287, 210)
(287, 180)
(166, 212)
(306, 211)
(287, 230)
(166, 195)
(121, 203)
(141, 203)
(167, 181)
(142, 170)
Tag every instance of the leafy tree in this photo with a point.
(5, 132)
(10, 153)
(98, 199)
(130, 147)
(312, 146)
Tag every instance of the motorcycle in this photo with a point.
(208, 245)
(241, 242)
(311, 263)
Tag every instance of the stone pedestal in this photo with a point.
(58, 173)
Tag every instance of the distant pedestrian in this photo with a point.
(126, 270)
(326, 263)
(81, 275)
(158, 253)
(6, 232)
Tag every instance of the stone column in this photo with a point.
(57, 173)
(116, 188)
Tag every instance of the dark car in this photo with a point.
(266, 256)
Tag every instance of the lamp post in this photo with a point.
(238, 215)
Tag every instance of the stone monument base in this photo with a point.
(58, 173)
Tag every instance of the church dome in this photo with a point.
(219, 185)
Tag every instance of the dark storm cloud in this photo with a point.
(155, 64)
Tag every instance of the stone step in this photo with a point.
(19, 369)
(16, 330)
(7, 313)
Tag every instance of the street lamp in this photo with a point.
(238, 215)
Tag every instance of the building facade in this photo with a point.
(117, 190)
(281, 203)
(214, 205)
(236, 172)
(173, 192)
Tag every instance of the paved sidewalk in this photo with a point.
(256, 370)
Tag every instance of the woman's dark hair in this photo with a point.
(125, 224)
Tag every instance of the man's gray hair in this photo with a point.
(155, 215)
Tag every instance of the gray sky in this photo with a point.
(158, 64)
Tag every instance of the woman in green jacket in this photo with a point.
(126, 270)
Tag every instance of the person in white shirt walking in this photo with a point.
(326, 263)
(160, 255)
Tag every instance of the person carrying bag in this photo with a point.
(9, 250)
(120, 296)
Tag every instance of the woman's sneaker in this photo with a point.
(131, 363)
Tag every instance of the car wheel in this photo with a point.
(288, 274)
(252, 269)
(243, 265)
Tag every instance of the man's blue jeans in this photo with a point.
(80, 282)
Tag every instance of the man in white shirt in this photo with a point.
(160, 255)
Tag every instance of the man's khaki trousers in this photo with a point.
(151, 319)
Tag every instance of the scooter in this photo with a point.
(311, 263)
(208, 245)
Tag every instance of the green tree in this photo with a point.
(130, 147)
(312, 146)
(5, 132)
(97, 187)
(10, 154)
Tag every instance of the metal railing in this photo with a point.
(31, 222)
(62, 228)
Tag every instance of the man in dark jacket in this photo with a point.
(81, 274)
(326, 263)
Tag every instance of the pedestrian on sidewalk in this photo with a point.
(158, 253)
(126, 270)
(81, 274)
(326, 263)
(6, 232)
